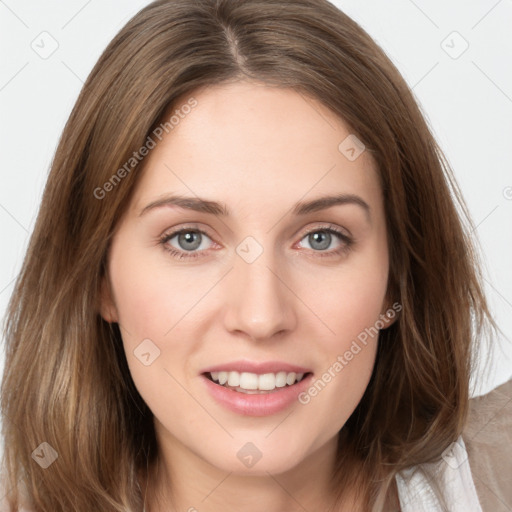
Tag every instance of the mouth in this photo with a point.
(254, 383)
(256, 388)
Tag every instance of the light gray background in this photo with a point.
(465, 95)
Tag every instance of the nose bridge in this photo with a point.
(259, 303)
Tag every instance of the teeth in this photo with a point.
(253, 381)
(233, 379)
(268, 382)
(290, 378)
(281, 380)
(248, 380)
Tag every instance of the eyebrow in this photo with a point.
(221, 210)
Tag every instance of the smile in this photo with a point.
(251, 388)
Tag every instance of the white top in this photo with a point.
(454, 477)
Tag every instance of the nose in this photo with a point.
(260, 303)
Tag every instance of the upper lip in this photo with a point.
(256, 367)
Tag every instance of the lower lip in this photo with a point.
(263, 404)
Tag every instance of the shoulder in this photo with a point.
(487, 435)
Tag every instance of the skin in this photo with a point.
(259, 150)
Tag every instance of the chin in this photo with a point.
(271, 460)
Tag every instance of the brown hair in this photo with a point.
(66, 379)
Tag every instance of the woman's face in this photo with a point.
(256, 289)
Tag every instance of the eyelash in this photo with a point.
(345, 248)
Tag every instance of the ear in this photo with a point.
(389, 314)
(107, 307)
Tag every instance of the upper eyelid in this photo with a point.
(172, 233)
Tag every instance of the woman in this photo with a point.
(253, 368)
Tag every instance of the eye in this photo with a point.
(189, 242)
(321, 239)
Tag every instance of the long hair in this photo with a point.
(66, 380)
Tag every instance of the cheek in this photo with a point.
(351, 299)
(150, 295)
(351, 308)
(152, 301)
(348, 301)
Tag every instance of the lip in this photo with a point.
(264, 404)
(257, 367)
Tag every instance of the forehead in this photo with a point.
(248, 144)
